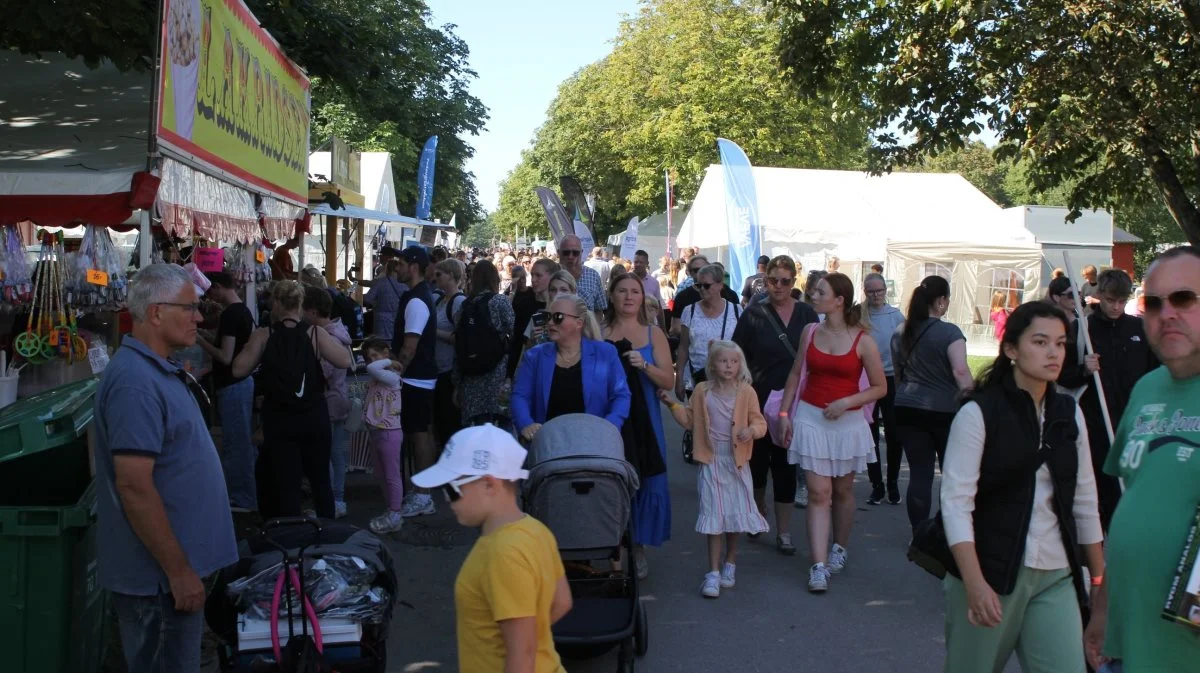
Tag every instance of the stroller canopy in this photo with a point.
(577, 435)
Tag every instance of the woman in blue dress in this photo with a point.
(628, 319)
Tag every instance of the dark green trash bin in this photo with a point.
(53, 613)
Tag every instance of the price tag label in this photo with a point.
(97, 278)
(260, 256)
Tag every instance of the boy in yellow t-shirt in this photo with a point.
(512, 586)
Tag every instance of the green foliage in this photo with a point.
(978, 164)
(482, 235)
(384, 78)
(681, 74)
(519, 210)
(1092, 93)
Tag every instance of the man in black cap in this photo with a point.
(413, 341)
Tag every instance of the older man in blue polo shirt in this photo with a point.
(164, 518)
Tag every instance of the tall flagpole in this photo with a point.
(670, 246)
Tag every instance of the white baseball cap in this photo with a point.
(475, 451)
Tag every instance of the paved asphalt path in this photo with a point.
(882, 614)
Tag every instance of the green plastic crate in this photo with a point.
(43, 450)
(53, 613)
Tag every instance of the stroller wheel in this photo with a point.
(641, 631)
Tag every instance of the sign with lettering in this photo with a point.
(230, 101)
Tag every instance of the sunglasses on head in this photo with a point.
(453, 490)
(570, 253)
(1180, 300)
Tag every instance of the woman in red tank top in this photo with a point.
(828, 437)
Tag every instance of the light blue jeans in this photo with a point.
(235, 403)
(337, 460)
(155, 637)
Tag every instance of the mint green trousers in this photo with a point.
(1041, 623)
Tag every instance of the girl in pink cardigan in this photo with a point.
(725, 420)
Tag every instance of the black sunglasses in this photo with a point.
(198, 392)
(570, 253)
(558, 317)
(704, 286)
(786, 282)
(1180, 300)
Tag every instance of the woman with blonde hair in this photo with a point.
(551, 379)
(447, 277)
(297, 432)
(647, 360)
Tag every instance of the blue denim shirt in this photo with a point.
(143, 407)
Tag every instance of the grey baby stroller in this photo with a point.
(582, 488)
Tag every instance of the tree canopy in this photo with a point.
(681, 74)
(1096, 94)
(384, 78)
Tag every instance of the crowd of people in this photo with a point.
(789, 382)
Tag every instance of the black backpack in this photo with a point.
(478, 347)
(290, 377)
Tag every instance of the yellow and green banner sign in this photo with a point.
(231, 100)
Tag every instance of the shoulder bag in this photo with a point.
(930, 549)
(775, 400)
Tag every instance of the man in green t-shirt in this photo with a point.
(1157, 454)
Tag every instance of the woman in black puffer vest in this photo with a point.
(1018, 504)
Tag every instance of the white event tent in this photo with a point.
(915, 224)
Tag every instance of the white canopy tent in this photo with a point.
(916, 224)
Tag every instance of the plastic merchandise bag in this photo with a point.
(336, 585)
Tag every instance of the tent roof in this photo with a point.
(60, 117)
(854, 214)
(1119, 235)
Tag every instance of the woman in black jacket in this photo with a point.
(1018, 503)
(770, 359)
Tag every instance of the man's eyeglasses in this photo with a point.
(569, 253)
(453, 490)
(1180, 300)
(781, 282)
(194, 307)
(558, 317)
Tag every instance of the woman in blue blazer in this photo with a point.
(574, 373)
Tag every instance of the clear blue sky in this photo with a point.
(522, 50)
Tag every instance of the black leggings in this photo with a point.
(924, 435)
(885, 411)
(765, 457)
(295, 445)
(447, 418)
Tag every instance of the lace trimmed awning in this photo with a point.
(191, 202)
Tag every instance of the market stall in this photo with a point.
(206, 160)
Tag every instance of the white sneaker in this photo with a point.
(837, 558)
(420, 505)
(818, 578)
(728, 576)
(388, 522)
(802, 497)
(712, 585)
(339, 509)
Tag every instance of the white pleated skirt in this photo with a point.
(830, 448)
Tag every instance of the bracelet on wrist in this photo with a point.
(1097, 580)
